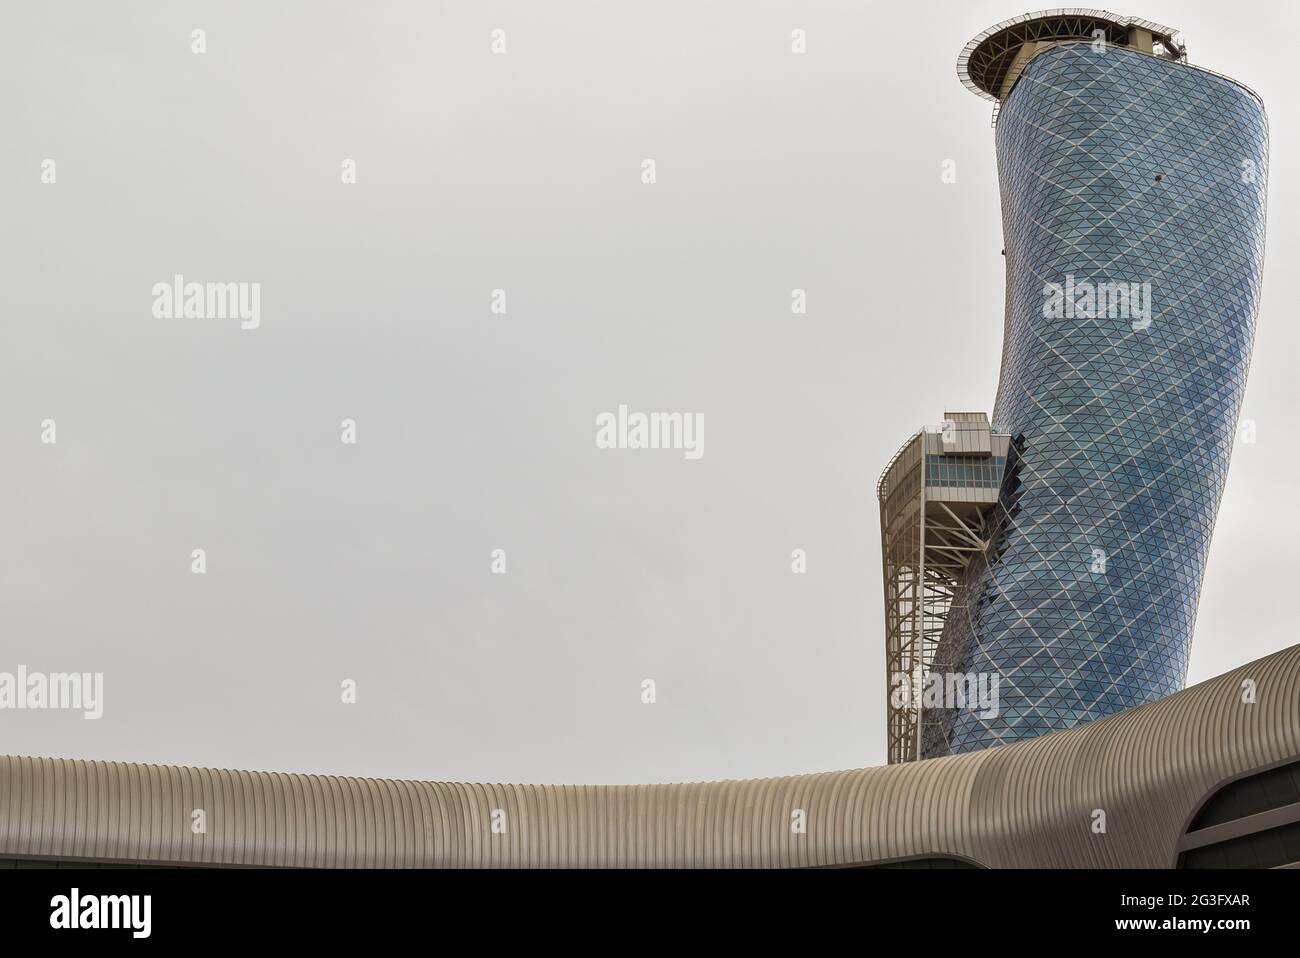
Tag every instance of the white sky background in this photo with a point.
(475, 431)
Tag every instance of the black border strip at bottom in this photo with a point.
(216, 907)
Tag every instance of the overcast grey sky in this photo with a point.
(522, 172)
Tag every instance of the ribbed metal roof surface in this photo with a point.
(1028, 804)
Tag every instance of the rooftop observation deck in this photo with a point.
(992, 62)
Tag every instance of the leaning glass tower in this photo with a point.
(1133, 205)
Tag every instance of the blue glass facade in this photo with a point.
(1141, 181)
